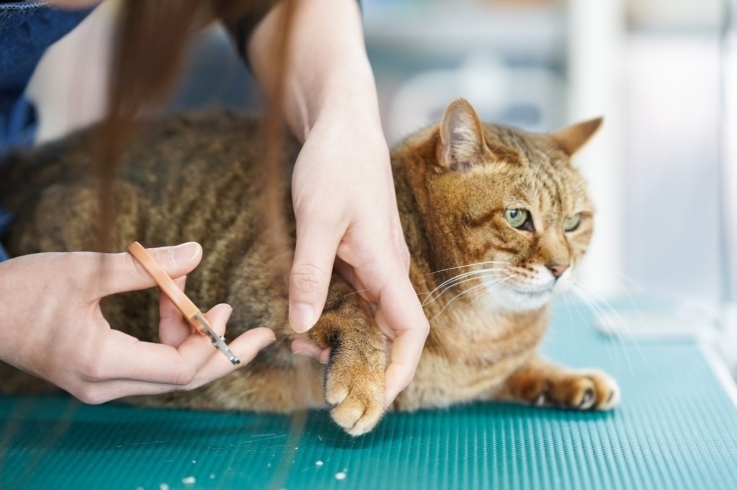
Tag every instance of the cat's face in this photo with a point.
(511, 204)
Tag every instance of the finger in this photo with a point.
(401, 318)
(173, 327)
(347, 272)
(401, 311)
(245, 347)
(94, 393)
(117, 273)
(400, 243)
(303, 347)
(127, 358)
(310, 276)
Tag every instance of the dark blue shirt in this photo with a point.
(27, 29)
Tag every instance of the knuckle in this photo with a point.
(83, 274)
(184, 377)
(135, 267)
(306, 278)
(192, 385)
(89, 394)
(91, 369)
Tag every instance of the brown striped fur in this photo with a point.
(193, 178)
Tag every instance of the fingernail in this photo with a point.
(266, 343)
(181, 254)
(227, 316)
(301, 316)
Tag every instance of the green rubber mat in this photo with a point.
(675, 429)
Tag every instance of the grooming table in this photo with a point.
(676, 428)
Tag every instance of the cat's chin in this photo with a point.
(518, 301)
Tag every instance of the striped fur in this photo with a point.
(485, 286)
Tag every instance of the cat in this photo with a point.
(496, 219)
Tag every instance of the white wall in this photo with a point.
(596, 31)
(672, 179)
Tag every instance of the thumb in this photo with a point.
(117, 273)
(310, 277)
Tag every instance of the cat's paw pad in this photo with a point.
(582, 390)
(356, 393)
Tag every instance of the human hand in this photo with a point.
(51, 326)
(345, 206)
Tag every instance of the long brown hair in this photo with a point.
(152, 39)
(151, 42)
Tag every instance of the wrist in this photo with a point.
(348, 105)
(344, 94)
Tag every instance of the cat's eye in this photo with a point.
(518, 218)
(572, 222)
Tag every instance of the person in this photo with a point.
(51, 324)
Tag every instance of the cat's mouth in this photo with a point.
(532, 288)
(520, 298)
(521, 291)
(537, 294)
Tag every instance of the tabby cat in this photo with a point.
(496, 220)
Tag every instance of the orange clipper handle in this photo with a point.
(176, 295)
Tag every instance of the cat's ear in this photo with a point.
(461, 143)
(572, 138)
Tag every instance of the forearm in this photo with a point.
(328, 73)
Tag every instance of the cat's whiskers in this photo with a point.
(565, 297)
(448, 281)
(460, 276)
(636, 284)
(537, 170)
(471, 290)
(488, 287)
(476, 277)
(623, 331)
(598, 310)
(632, 301)
(517, 145)
(430, 299)
(535, 189)
(355, 292)
(453, 280)
(469, 265)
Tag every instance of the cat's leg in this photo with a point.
(545, 384)
(354, 377)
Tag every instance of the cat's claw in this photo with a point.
(589, 397)
(581, 390)
(357, 414)
(540, 400)
(608, 392)
(356, 394)
(593, 390)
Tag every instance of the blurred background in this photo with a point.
(653, 68)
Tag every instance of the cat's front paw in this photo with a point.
(579, 390)
(354, 387)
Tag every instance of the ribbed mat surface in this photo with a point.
(675, 429)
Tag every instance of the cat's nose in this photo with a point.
(557, 269)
